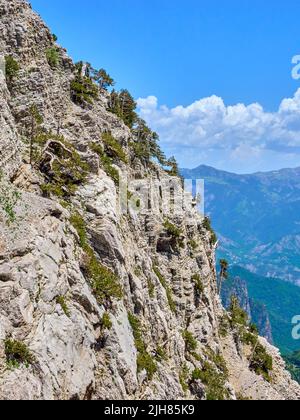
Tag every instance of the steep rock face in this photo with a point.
(162, 339)
(256, 311)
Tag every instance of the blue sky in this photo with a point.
(181, 52)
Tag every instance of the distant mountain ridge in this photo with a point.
(257, 218)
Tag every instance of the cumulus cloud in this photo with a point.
(209, 128)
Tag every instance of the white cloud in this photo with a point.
(234, 132)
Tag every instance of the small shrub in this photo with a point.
(218, 360)
(151, 289)
(224, 326)
(11, 69)
(66, 172)
(78, 223)
(144, 360)
(106, 321)
(106, 163)
(113, 147)
(161, 354)
(176, 234)
(184, 377)
(196, 279)
(83, 90)
(61, 300)
(17, 353)
(193, 244)
(214, 381)
(191, 343)
(238, 315)
(261, 362)
(9, 198)
(172, 230)
(208, 227)
(105, 284)
(52, 56)
(163, 282)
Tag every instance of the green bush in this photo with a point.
(237, 314)
(172, 230)
(52, 55)
(113, 147)
(208, 227)
(9, 198)
(184, 378)
(151, 289)
(214, 381)
(144, 360)
(193, 244)
(67, 171)
(191, 343)
(164, 283)
(105, 284)
(61, 300)
(106, 163)
(83, 90)
(106, 321)
(196, 279)
(17, 353)
(161, 354)
(11, 69)
(176, 234)
(261, 362)
(224, 326)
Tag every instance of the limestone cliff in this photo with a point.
(98, 301)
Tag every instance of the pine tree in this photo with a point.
(223, 273)
(103, 79)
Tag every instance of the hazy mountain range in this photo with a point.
(257, 218)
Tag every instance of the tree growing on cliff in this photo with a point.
(123, 105)
(223, 273)
(103, 79)
(146, 145)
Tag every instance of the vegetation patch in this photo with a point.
(208, 227)
(151, 289)
(191, 343)
(61, 165)
(164, 283)
(106, 321)
(214, 381)
(260, 361)
(52, 55)
(61, 300)
(17, 354)
(113, 147)
(196, 279)
(105, 284)
(9, 198)
(12, 69)
(83, 89)
(161, 354)
(175, 233)
(144, 360)
(184, 378)
(106, 162)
